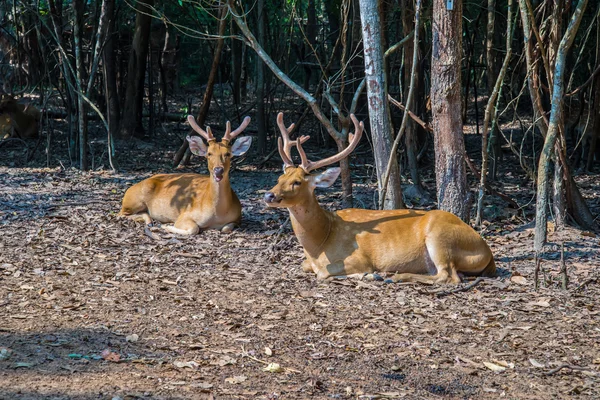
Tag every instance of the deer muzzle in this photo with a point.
(271, 198)
(218, 173)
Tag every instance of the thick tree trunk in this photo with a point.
(131, 123)
(110, 72)
(451, 177)
(379, 113)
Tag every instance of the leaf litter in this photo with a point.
(77, 280)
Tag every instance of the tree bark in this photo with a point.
(79, 68)
(411, 127)
(379, 113)
(131, 123)
(451, 178)
(556, 117)
(236, 66)
(489, 46)
(260, 82)
(110, 72)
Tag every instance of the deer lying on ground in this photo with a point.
(418, 246)
(18, 120)
(192, 201)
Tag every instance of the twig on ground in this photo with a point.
(587, 282)
(571, 367)
(460, 289)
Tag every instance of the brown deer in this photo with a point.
(418, 246)
(192, 201)
(18, 120)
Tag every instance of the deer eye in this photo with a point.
(209, 154)
(227, 154)
(296, 183)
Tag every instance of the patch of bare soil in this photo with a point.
(93, 306)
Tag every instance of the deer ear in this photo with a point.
(241, 145)
(325, 179)
(197, 145)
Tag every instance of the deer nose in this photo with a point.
(218, 171)
(270, 197)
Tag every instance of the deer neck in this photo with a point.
(312, 225)
(222, 194)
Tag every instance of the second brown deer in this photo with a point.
(418, 246)
(192, 201)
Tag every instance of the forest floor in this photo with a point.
(93, 306)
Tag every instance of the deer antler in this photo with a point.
(308, 165)
(229, 136)
(206, 134)
(285, 144)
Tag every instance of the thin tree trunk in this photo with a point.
(411, 128)
(451, 177)
(260, 82)
(208, 93)
(490, 116)
(379, 113)
(595, 133)
(162, 65)
(236, 66)
(553, 127)
(79, 67)
(110, 72)
(131, 123)
(489, 46)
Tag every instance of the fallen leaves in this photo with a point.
(236, 379)
(494, 367)
(273, 367)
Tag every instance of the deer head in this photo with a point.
(297, 185)
(219, 153)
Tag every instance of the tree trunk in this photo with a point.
(451, 178)
(208, 93)
(556, 116)
(411, 127)
(594, 148)
(79, 67)
(110, 72)
(131, 123)
(379, 113)
(260, 82)
(489, 46)
(236, 66)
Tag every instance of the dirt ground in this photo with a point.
(96, 307)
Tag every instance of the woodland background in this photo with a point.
(503, 128)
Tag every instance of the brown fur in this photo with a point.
(18, 120)
(191, 201)
(419, 246)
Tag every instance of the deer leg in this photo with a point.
(183, 226)
(142, 217)
(228, 228)
(351, 267)
(442, 277)
(307, 266)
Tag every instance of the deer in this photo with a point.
(431, 247)
(193, 202)
(18, 120)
